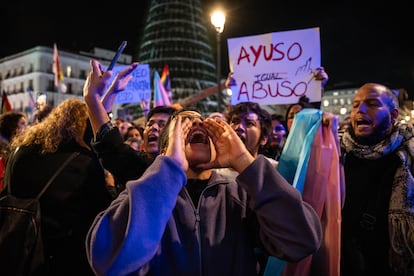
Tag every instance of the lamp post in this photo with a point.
(218, 19)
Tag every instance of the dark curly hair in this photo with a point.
(264, 116)
(9, 122)
(161, 109)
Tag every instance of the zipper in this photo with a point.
(197, 220)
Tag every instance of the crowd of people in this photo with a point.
(185, 194)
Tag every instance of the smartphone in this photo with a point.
(117, 55)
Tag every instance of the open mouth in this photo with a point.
(362, 122)
(197, 136)
(152, 138)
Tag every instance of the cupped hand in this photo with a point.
(230, 150)
(177, 134)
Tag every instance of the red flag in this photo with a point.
(5, 104)
(57, 70)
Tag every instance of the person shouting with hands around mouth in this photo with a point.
(183, 218)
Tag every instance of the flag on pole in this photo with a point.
(57, 70)
(32, 101)
(5, 104)
(160, 95)
(166, 81)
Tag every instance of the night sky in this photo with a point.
(360, 42)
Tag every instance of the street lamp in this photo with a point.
(218, 19)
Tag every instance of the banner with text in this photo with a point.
(275, 68)
(138, 88)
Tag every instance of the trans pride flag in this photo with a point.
(160, 94)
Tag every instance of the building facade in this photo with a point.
(27, 75)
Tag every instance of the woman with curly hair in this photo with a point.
(76, 196)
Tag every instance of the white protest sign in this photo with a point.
(275, 68)
(138, 88)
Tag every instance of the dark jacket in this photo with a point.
(378, 214)
(69, 205)
(119, 158)
(153, 227)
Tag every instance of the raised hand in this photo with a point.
(320, 74)
(230, 81)
(121, 80)
(96, 81)
(119, 84)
